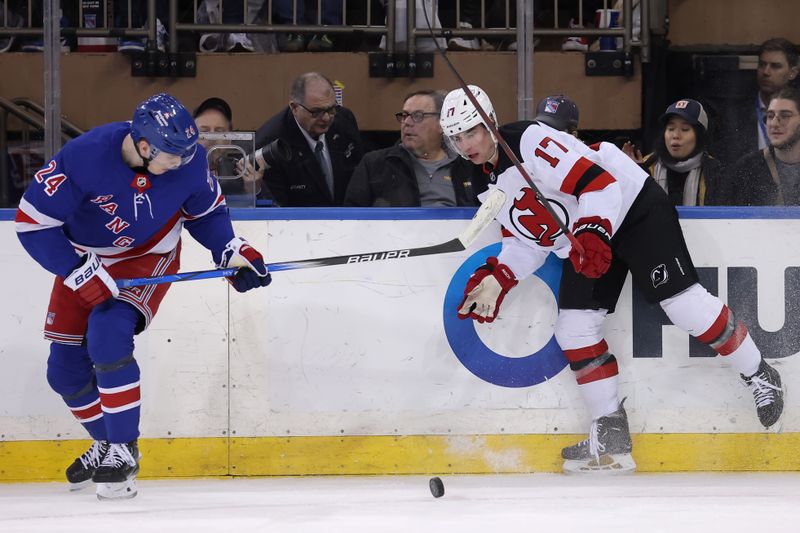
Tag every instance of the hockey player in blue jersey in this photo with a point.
(111, 204)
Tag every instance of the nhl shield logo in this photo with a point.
(141, 183)
(659, 275)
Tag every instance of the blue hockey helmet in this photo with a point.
(163, 122)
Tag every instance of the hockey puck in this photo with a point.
(437, 487)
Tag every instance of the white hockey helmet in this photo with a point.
(459, 114)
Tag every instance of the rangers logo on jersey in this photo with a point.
(531, 219)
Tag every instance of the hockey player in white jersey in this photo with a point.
(625, 223)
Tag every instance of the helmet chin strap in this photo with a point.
(145, 160)
(494, 151)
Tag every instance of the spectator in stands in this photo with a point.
(331, 15)
(680, 163)
(214, 115)
(420, 170)
(742, 128)
(771, 176)
(325, 144)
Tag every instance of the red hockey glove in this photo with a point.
(485, 291)
(91, 282)
(594, 233)
(238, 253)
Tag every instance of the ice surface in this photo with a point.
(482, 504)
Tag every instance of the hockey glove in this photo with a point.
(91, 282)
(238, 253)
(594, 233)
(485, 291)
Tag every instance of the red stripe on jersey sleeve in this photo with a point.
(505, 233)
(574, 175)
(24, 217)
(599, 183)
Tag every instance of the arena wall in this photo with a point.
(257, 85)
(363, 369)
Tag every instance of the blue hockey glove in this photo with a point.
(254, 274)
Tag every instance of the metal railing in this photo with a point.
(43, 117)
(175, 26)
(32, 116)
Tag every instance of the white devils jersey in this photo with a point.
(577, 180)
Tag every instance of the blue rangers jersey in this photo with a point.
(87, 198)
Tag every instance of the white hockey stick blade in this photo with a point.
(483, 217)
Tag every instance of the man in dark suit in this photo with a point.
(325, 144)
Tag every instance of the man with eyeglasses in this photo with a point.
(741, 127)
(420, 170)
(772, 176)
(325, 144)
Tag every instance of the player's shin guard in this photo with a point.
(118, 382)
(70, 374)
(608, 446)
(120, 398)
(579, 334)
(597, 374)
(110, 343)
(705, 317)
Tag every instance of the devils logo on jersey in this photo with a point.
(531, 219)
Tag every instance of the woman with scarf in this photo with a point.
(680, 165)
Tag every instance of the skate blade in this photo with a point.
(75, 487)
(609, 464)
(117, 491)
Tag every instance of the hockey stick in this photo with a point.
(503, 144)
(483, 217)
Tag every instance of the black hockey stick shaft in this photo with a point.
(479, 222)
(504, 145)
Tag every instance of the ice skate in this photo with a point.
(116, 476)
(80, 472)
(768, 392)
(606, 451)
